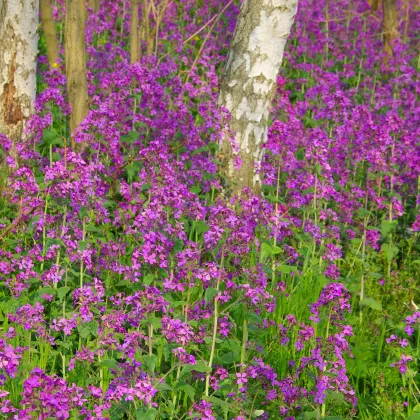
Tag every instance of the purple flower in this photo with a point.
(402, 363)
(183, 356)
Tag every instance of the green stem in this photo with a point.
(82, 263)
(213, 341)
(324, 407)
(63, 358)
(150, 331)
(244, 340)
(178, 373)
(44, 233)
(101, 374)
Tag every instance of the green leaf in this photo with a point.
(132, 169)
(415, 416)
(63, 344)
(31, 223)
(130, 137)
(145, 413)
(150, 362)
(222, 404)
(62, 292)
(308, 415)
(198, 367)
(389, 251)
(148, 279)
(47, 291)
(371, 303)
(83, 245)
(199, 150)
(300, 154)
(231, 345)
(286, 269)
(84, 331)
(376, 275)
(109, 363)
(268, 250)
(178, 245)
(51, 137)
(335, 397)
(195, 189)
(363, 213)
(253, 318)
(410, 373)
(188, 389)
(210, 294)
(93, 228)
(229, 358)
(90, 328)
(200, 227)
(387, 227)
(163, 387)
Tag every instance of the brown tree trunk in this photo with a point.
(134, 32)
(18, 46)
(406, 21)
(374, 4)
(248, 83)
(50, 31)
(148, 36)
(390, 24)
(75, 59)
(95, 5)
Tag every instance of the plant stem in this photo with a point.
(244, 340)
(82, 263)
(150, 330)
(213, 341)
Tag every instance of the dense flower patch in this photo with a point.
(132, 287)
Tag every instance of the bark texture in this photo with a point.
(134, 32)
(49, 30)
(390, 24)
(146, 25)
(248, 83)
(94, 5)
(75, 59)
(18, 50)
(374, 4)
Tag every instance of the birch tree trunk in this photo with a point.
(390, 24)
(75, 59)
(18, 50)
(248, 83)
(134, 32)
(49, 30)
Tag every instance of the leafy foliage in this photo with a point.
(132, 288)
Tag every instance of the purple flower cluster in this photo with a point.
(137, 285)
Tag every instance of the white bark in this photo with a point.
(18, 46)
(249, 81)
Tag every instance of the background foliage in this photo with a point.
(131, 287)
